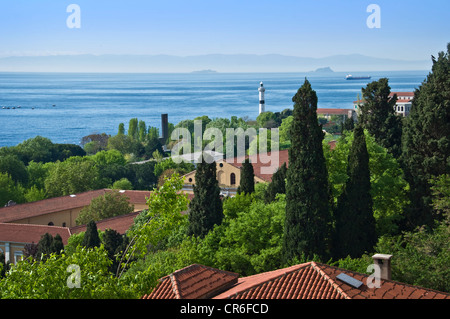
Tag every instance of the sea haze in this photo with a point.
(67, 106)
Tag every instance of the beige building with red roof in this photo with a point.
(63, 211)
(14, 237)
(402, 106)
(228, 171)
(23, 224)
(304, 281)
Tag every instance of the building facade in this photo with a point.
(402, 106)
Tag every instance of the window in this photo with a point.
(18, 255)
(51, 224)
(232, 179)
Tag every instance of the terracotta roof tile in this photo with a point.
(258, 163)
(119, 223)
(27, 234)
(305, 281)
(193, 282)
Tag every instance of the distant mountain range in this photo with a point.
(218, 62)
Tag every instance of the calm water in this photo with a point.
(96, 103)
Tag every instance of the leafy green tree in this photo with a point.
(238, 245)
(266, 119)
(378, 116)
(133, 128)
(142, 130)
(285, 130)
(389, 190)
(72, 176)
(91, 238)
(34, 194)
(64, 151)
(122, 143)
(9, 191)
(247, 182)
(38, 149)
(49, 279)
(308, 216)
(426, 140)
(206, 208)
(354, 222)
(11, 165)
(440, 190)
(277, 185)
(142, 175)
(122, 183)
(154, 225)
(121, 130)
(105, 206)
(37, 173)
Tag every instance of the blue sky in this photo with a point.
(410, 30)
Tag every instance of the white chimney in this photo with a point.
(384, 262)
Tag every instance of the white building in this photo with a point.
(262, 106)
(402, 106)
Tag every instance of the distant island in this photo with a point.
(204, 72)
(324, 70)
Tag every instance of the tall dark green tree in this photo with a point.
(379, 118)
(277, 185)
(308, 216)
(206, 208)
(247, 182)
(49, 244)
(91, 238)
(354, 232)
(426, 140)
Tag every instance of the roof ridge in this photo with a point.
(287, 271)
(316, 267)
(35, 225)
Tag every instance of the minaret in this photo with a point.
(262, 106)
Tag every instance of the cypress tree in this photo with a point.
(206, 208)
(247, 182)
(277, 185)
(91, 238)
(308, 215)
(57, 244)
(379, 118)
(426, 141)
(44, 246)
(354, 222)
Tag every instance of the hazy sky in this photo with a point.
(410, 29)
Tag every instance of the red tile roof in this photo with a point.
(334, 111)
(258, 163)
(118, 223)
(304, 281)
(56, 204)
(27, 234)
(399, 94)
(402, 94)
(193, 282)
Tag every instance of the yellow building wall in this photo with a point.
(13, 248)
(64, 218)
(223, 173)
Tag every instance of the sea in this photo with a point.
(64, 107)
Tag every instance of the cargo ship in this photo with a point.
(351, 77)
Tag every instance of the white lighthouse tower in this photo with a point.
(262, 106)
